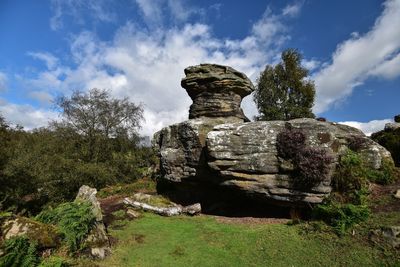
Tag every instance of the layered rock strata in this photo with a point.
(217, 148)
(216, 91)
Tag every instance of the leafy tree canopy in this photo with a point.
(283, 92)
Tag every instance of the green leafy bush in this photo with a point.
(391, 141)
(19, 252)
(74, 220)
(385, 175)
(54, 262)
(341, 216)
(350, 173)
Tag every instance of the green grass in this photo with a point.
(202, 241)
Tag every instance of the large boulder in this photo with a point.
(45, 235)
(245, 156)
(216, 148)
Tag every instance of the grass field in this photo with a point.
(203, 241)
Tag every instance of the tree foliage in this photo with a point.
(282, 91)
(98, 117)
(95, 143)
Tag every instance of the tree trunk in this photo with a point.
(168, 211)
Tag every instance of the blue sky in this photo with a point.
(139, 48)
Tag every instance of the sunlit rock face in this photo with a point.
(216, 91)
(217, 147)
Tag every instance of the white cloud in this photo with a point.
(50, 60)
(360, 57)
(147, 66)
(311, 64)
(3, 82)
(26, 115)
(389, 69)
(292, 10)
(98, 10)
(368, 127)
(151, 10)
(155, 12)
(43, 97)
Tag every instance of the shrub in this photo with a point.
(397, 118)
(341, 216)
(289, 142)
(53, 262)
(312, 166)
(74, 220)
(349, 175)
(391, 141)
(385, 175)
(19, 252)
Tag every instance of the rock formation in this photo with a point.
(391, 126)
(217, 148)
(45, 235)
(97, 241)
(216, 91)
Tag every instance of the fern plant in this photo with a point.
(19, 252)
(74, 220)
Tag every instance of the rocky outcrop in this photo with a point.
(216, 147)
(245, 156)
(216, 91)
(45, 235)
(97, 241)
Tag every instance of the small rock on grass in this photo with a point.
(132, 214)
(397, 195)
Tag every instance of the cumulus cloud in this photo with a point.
(368, 127)
(3, 82)
(373, 53)
(147, 66)
(389, 69)
(26, 115)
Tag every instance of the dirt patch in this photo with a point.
(109, 205)
(250, 220)
(139, 238)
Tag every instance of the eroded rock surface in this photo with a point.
(245, 156)
(97, 241)
(45, 235)
(216, 91)
(217, 148)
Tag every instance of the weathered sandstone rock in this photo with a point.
(216, 148)
(245, 156)
(216, 91)
(97, 241)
